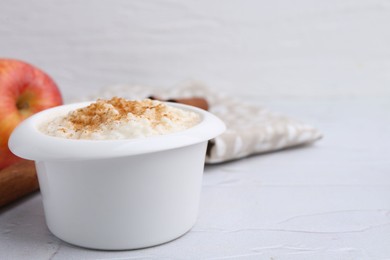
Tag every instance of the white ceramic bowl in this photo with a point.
(118, 194)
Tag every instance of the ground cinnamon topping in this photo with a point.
(118, 118)
(100, 112)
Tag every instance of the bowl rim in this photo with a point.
(28, 142)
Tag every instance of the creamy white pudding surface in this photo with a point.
(119, 118)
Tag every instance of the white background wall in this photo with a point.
(280, 48)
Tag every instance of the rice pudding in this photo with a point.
(118, 118)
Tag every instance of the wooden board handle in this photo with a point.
(17, 180)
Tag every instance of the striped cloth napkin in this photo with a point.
(250, 130)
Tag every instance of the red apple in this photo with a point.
(24, 90)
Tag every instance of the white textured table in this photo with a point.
(330, 200)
